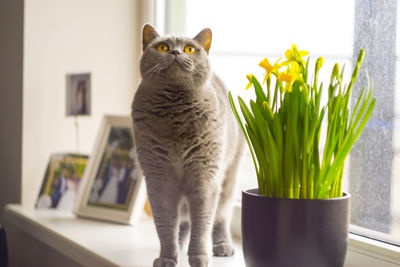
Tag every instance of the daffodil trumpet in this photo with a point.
(283, 128)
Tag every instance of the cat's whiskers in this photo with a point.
(152, 70)
(156, 69)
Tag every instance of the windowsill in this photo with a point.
(380, 251)
(97, 243)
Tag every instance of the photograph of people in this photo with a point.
(129, 175)
(115, 183)
(61, 182)
(59, 186)
(67, 200)
(108, 193)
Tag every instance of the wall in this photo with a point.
(11, 62)
(72, 36)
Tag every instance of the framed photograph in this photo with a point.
(78, 94)
(62, 181)
(113, 188)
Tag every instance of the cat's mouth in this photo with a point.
(181, 63)
(176, 62)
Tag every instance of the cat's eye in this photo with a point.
(162, 48)
(189, 49)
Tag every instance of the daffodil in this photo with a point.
(282, 127)
(289, 77)
(250, 78)
(270, 68)
(294, 55)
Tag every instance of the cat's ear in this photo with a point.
(149, 34)
(204, 38)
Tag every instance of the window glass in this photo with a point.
(244, 32)
(255, 29)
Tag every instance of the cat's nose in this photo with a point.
(175, 52)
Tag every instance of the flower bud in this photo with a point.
(318, 64)
(336, 71)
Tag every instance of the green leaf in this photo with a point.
(235, 112)
(259, 92)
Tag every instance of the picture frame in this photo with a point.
(61, 181)
(78, 94)
(113, 185)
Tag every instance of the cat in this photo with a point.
(189, 146)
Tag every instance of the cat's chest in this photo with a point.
(183, 119)
(181, 110)
(177, 118)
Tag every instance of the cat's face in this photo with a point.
(175, 60)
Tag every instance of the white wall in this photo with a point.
(72, 36)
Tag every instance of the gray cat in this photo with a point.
(189, 146)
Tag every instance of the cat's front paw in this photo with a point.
(198, 260)
(164, 262)
(223, 250)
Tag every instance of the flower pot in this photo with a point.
(280, 232)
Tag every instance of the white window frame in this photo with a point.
(362, 251)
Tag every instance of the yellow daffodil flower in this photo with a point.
(270, 68)
(295, 68)
(294, 55)
(289, 77)
(250, 78)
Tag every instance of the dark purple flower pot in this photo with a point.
(294, 232)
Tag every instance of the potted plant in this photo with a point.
(298, 215)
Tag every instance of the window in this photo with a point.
(244, 32)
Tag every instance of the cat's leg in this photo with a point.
(202, 202)
(222, 243)
(164, 202)
(221, 235)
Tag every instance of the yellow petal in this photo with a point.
(276, 66)
(266, 77)
(288, 87)
(265, 64)
(295, 66)
(303, 53)
(250, 78)
(285, 77)
(289, 54)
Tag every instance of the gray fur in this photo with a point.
(189, 147)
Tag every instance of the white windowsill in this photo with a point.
(96, 243)
(372, 250)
